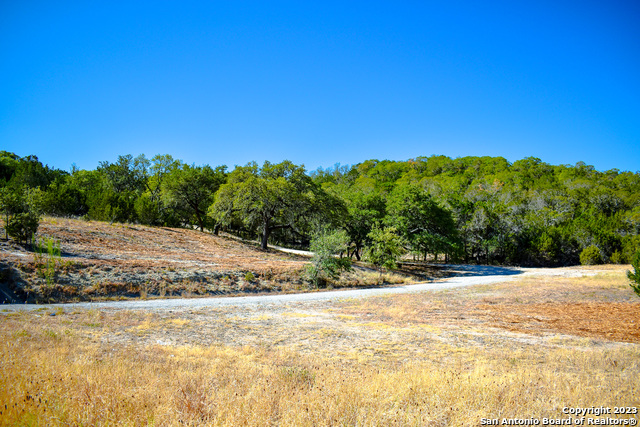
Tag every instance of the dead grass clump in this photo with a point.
(364, 278)
(111, 288)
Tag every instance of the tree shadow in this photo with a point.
(480, 270)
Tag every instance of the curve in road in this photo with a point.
(468, 278)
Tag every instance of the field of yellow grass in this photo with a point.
(435, 359)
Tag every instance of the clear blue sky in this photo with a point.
(321, 82)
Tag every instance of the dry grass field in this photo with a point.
(526, 348)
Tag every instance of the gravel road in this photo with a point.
(465, 276)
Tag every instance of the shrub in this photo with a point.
(590, 256)
(385, 249)
(147, 210)
(635, 276)
(630, 245)
(249, 277)
(325, 264)
(21, 227)
(616, 258)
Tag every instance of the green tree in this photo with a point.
(385, 249)
(274, 197)
(365, 210)
(122, 183)
(190, 191)
(10, 205)
(128, 174)
(634, 276)
(22, 226)
(428, 227)
(21, 208)
(327, 261)
(151, 207)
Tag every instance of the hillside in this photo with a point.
(100, 260)
(105, 261)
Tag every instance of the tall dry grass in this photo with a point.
(54, 375)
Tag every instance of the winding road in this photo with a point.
(465, 275)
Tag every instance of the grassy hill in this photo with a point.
(102, 260)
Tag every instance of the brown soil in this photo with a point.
(588, 307)
(613, 321)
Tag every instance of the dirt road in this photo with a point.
(465, 276)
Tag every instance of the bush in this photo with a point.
(590, 256)
(630, 245)
(325, 264)
(21, 227)
(147, 210)
(616, 258)
(635, 276)
(385, 248)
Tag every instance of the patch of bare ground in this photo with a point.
(599, 305)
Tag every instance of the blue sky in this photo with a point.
(320, 83)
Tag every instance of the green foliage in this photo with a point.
(190, 191)
(275, 198)
(249, 277)
(63, 198)
(21, 227)
(48, 259)
(480, 209)
(148, 211)
(327, 261)
(365, 210)
(127, 175)
(590, 256)
(121, 184)
(428, 227)
(631, 245)
(634, 277)
(21, 207)
(385, 249)
(616, 258)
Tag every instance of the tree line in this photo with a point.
(469, 209)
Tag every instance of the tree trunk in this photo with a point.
(466, 253)
(216, 229)
(265, 235)
(200, 221)
(488, 257)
